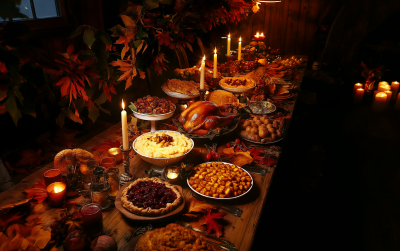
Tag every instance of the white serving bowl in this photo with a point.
(178, 95)
(237, 90)
(154, 117)
(161, 161)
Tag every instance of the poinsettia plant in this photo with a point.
(82, 79)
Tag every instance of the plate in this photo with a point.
(237, 90)
(261, 107)
(180, 95)
(136, 217)
(256, 142)
(231, 198)
(154, 117)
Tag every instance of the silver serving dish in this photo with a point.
(261, 107)
(230, 198)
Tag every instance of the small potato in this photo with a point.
(279, 133)
(269, 126)
(261, 126)
(271, 130)
(255, 119)
(246, 123)
(248, 128)
(256, 137)
(275, 124)
(263, 132)
(253, 124)
(259, 122)
(267, 121)
(274, 137)
(262, 119)
(254, 131)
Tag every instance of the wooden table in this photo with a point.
(240, 231)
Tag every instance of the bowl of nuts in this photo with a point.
(162, 147)
(220, 180)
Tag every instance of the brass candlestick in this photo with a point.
(126, 176)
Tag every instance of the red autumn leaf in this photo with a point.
(107, 144)
(212, 224)
(13, 212)
(262, 160)
(163, 38)
(199, 206)
(158, 63)
(37, 191)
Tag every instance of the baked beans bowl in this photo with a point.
(220, 180)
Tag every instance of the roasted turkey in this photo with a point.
(202, 116)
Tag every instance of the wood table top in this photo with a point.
(240, 230)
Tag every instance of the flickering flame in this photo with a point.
(204, 58)
(258, 34)
(215, 50)
(229, 36)
(57, 189)
(240, 39)
(262, 34)
(123, 105)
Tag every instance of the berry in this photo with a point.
(208, 156)
(213, 152)
(228, 145)
(237, 141)
(216, 156)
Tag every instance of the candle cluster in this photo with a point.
(258, 36)
(382, 96)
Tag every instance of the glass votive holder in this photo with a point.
(108, 162)
(51, 176)
(116, 153)
(172, 174)
(92, 219)
(113, 180)
(56, 193)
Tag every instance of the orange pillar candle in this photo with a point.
(389, 96)
(358, 96)
(395, 89)
(51, 176)
(397, 105)
(380, 102)
(56, 193)
(357, 86)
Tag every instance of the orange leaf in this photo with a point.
(126, 75)
(70, 50)
(199, 224)
(37, 191)
(199, 206)
(212, 224)
(142, 74)
(128, 83)
(226, 151)
(124, 50)
(241, 158)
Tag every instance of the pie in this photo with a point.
(173, 237)
(189, 88)
(150, 197)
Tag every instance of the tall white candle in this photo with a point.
(240, 49)
(228, 46)
(389, 96)
(357, 86)
(358, 96)
(380, 102)
(395, 89)
(202, 70)
(397, 105)
(124, 122)
(215, 70)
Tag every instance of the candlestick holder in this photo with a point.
(126, 176)
(202, 94)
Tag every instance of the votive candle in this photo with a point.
(389, 96)
(358, 96)
(116, 153)
(380, 102)
(56, 193)
(51, 176)
(357, 86)
(395, 89)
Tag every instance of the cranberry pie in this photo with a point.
(150, 197)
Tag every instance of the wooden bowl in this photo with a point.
(136, 217)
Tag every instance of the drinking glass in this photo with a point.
(92, 219)
(113, 180)
(108, 162)
(87, 179)
(100, 188)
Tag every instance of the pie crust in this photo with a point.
(149, 211)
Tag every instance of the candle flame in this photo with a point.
(57, 189)
(262, 34)
(229, 36)
(240, 39)
(123, 104)
(215, 50)
(204, 58)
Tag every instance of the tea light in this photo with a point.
(262, 36)
(358, 96)
(51, 176)
(172, 175)
(357, 86)
(380, 102)
(56, 193)
(395, 89)
(116, 153)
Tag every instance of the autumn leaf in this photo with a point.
(22, 237)
(107, 144)
(37, 191)
(212, 224)
(256, 153)
(198, 206)
(200, 224)
(13, 212)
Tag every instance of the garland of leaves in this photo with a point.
(87, 78)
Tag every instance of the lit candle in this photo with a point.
(383, 86)
(257, 36)
(56, 193)
(116, 153)
(240, 49)
(389, 96)
(357, 86)
(202, 70)
(380, 102)
(125, 141)
(358, 96)
(395, 89)
(397, 105)
(228, 51)
(172, 175)
(262, 35)
(215, 64)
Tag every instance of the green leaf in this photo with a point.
(104, 110)
(133, 107)
(73, 117)
(93, 112)
(76, 32)
(105, 37)
(101, 99)
(137, 43)
(152, 4)
(117, 30)
(141, 34)
(141, 64)
(12, 108)
(88, 37)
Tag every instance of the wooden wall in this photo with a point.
(289, 25)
